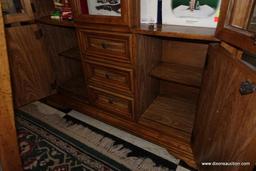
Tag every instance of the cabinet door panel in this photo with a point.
(31, 70)
(225, 123)
(237, 24)
(17, 11)
(9, 152)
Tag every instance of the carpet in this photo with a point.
(55, 143)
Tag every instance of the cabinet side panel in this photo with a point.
(148, 55)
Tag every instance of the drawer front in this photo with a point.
(102, 45)
(110, 77)
(112, 102)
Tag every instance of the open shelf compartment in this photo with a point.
(171, 113)
(178, 73)
(75, 88)
(47, 20)
(72, 53)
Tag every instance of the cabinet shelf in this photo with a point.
(173, 114)
(178, 73)
(75, 88)
(175, 31)
(49, 21)
(72, 53)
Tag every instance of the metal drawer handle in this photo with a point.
(247, 87)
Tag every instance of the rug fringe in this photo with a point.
(104, 145)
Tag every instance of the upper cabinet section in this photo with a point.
(110, 12)
(17, 11)
(238, 24)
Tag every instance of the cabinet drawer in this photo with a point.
(102, 45)
(112, 102)
(111, 77)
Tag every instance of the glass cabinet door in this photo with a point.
(237, 24)
(17, 11)
(101, 11)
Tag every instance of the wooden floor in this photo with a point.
(171, 115)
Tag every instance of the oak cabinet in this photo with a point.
(167, 84)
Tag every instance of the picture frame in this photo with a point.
(198, 13)
(104, 7)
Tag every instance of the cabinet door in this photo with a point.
(17, 11)
(237, 24)
(9, 152)
(225, 124)
(31, 70)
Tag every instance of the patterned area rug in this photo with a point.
(55, 143)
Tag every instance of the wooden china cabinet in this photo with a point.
(188, 89)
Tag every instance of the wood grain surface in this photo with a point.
(9, 153)
(31, 70)
(195, 33)
(57, 40)
(233, 21)
(178, 73)
(190, 53)
(147, 51)
(225, 121)
(171, 112)
(25, 16)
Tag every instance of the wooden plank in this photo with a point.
(147, 54)
(185, 53)
(26, 15)
(170, 112)
(56, 40)
(168, 88)
(9, 153)
(42, 8)
(178, 73)
(195, 33)
(72, 53)
(225, 121)
(56, 22)
(31, 69)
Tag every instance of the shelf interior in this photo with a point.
(176, 31)
(72, 53)
(183, 74)
(171, 113)
(56, 22)
(74, 88)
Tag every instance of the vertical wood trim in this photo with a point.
(9, 154)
